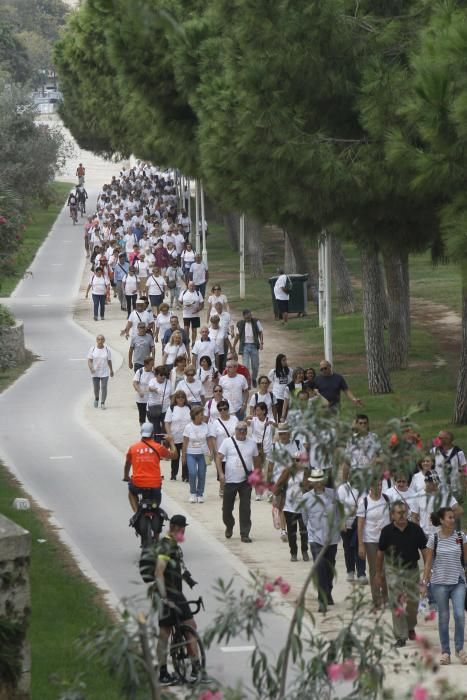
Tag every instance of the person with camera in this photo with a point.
(169, 574)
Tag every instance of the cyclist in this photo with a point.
(81, 196)
(169, 575)
(80, 173)
(73, 204)
(143, 458)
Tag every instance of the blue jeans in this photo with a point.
(196, 465)
(442, 594)
(98, 301)
(250, 357)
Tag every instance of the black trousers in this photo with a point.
(141, 412)
(130, 303)
(175, 463)
(244, 509)
(293, 520)
(324, 578)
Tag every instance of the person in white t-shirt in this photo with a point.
(372, 516)
(100, 365)
(282, 290)
(192, 387)
(348, 496)
(139, 315)
(142, 272)
(176, 420)
(235, 388)
(199, 274)
(216, 297)
(240, 455)
(192, 303)
(162, 323)
(100, 286)
(156, 287)
(141, 381)
(431, 499)
(450, 462)
(195, 449)
(204, 347)
(130, 289)
(401, 491)
(262, 431)
(425, 464)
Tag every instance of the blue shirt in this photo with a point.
(120, 270)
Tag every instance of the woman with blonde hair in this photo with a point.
(174, 348)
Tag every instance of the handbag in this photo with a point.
(155, 410)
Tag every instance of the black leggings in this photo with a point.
(141, 412)
(175, 463)
(130, 303)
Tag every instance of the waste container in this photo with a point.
(297, 296)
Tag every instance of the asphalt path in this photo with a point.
(69, 469)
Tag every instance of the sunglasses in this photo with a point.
(242, 430)
(323, 369)
(217, 391)
(190, 374)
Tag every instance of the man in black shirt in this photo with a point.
(401, 542)
(329, 385)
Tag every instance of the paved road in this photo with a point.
(68, 468)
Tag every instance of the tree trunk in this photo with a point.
(303, 265)
(341, 274)
(290, 264)
(373, 307)
(398, 333)
(406, 290)
(254, 248)
(232, 226)
(460, 407)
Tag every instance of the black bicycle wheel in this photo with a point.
(180, 648)
(145, 531)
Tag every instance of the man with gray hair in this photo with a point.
(241, 457)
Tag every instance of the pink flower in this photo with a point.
(278, 581)
(431, 615)
(2, 220)
(334, 672)
(393, 440)
(255, 478)
(436, 442)
(211, 695)
(284, 587)
(420, 693)
(465, 470)
(349, 670)
(269, 587)
(260, 602)
(179, 536)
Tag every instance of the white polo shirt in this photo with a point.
(234, 471)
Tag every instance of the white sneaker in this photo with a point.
(192, 499)
(284, 537)
(103, 406)
(350, 577)
(200, 499)
(258, 497)
(363, 580)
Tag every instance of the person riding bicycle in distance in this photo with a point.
(170, 573)
(143, 459)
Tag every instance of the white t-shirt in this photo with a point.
(188, 257)
(139, 317)
(320, 515)
(217, 336)
(204, 348)
(143, 378)
(179, 239)
(348, 496)
(194, 390)
(174, 351)
(191, 302)
(155, 285)
(418, 482)
(206, 377)
(198, 272)
(217, 431)
(257, 398)
(212, 299)
(233, 388)
(159, 394)
(294, 493)
(142, 268)
(430, 502)
(279, 384)
(162, 323)
(447, 466)
(281, 457)
(210, 410)
(130, 284)
(409, 497)
(262, 433)
(100, 361)
(234, 471)
(130, 240)
(362, 449)
(249, 337)
(281, 281)
(377, 517)
(197, 438)
(98, 284)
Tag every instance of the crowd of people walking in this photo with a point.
(195, 394)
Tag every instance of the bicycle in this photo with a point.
(149, 519)
(74, 213)
(181, 642)
(82, 208)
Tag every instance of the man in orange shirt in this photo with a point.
(143, 458)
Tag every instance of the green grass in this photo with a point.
(63, 603)
(41, 220)
(424, 383)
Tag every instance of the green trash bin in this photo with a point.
(298, 295)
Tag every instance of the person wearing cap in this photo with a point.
(279, 458)
(431, 499)
(240, 454)
(170, 572)
(330, 385)
(289, 491)
(120, 271)
(143, 460)
(139, 315)
(323, 523)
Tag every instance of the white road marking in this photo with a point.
(230, 650)
(56, 264)
(43, 295)
(39, 306)
(61, 457)
(76, 359)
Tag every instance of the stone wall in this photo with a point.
(12, 350)
(15, 549)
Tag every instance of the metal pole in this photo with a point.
(197, 246)
(321, 281)
(242, 256)
(189, 209)
(328, 300)
(203, 227)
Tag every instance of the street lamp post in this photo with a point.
(242, 256)
(203, 227)
(327, 298)
(197, 240)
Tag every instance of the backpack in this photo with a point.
(72, 200)
(270, 394)
(365, 501)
